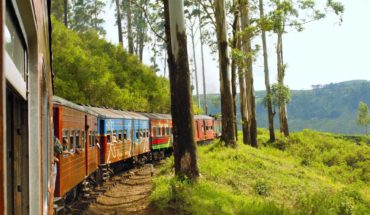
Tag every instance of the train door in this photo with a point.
(16, 141)
(17, 153)
(102, 141)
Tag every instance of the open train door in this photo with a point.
(16, 104)
(17, 154)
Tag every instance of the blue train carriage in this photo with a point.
(140, 135)
(115, 132)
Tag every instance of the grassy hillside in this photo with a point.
(310, 173)
(329, 108)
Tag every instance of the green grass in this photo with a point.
(309, 173)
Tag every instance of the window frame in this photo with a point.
(72, 142)
(65, 135)
(17, 79)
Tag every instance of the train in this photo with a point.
(97, 141)
(26, 90)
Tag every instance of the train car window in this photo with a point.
(158, 131)
(14, 45)
(78, 143)
(125, 134)
(91, 139)
(109, 136)
(137, 134)
(120, 135)
(154, 132)
(72, 140)
(163, 131)
(83, 137)
(66, 146)
(167, 131)
(114, 138)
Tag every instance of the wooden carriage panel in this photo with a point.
(71, 167)
(73, 119)
(71, 171)
(92, 159)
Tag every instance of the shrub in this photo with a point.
(261, 188)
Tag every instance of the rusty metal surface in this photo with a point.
(104, 112)
(157, 115)
(66, 103)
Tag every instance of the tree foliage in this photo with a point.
(363, 117)
(86, 15)
(90, 70)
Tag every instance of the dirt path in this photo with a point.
(129, 196)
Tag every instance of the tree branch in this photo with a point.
(148, 21)
(209, 16)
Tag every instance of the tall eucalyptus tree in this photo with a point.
(268, 100)
(227, 110)
(247, 49)
(181, 98)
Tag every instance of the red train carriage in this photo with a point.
(204, 128)
(25, 107)
(75, 128)
(160, 134)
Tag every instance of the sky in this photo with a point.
(325, 52)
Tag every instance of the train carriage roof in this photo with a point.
(105, 113)
(66, 103)
(203, 117)
(135, 115)
(157, 115)
(127, 114)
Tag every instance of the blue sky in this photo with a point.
(325, 52)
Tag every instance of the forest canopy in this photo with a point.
(90, 70)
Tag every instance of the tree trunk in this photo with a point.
(165, 65)
(181, 101)
(242, 93)
(66, 13)
(203, 71)
(129, 29)
(192, 35)
(242, 87)
(228, 126)
(283, 118)
(119, 23)
(141, 44)
(247, 49)
(270, 114)
(234, 64)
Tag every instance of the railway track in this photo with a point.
(125, 192)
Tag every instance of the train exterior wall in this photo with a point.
(115, 146)
(71, 165)
(34, 90)
(159, 139)
(91, 147)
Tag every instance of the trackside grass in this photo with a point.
(309, 173)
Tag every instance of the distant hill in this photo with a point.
(330, 108)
